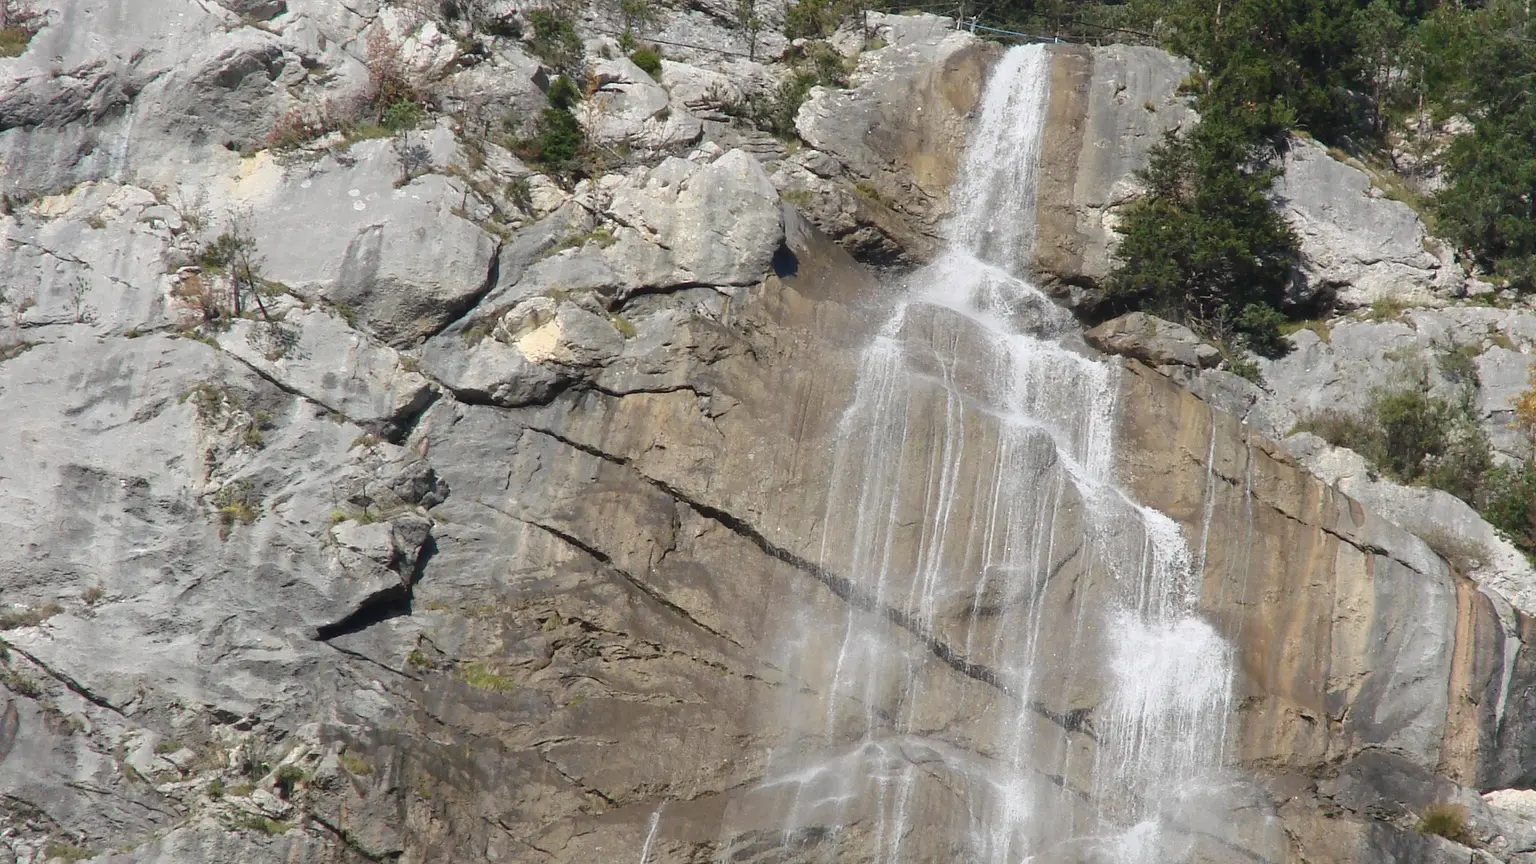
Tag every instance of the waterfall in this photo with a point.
(1024, 675)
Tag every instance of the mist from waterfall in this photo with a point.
(1024, 675)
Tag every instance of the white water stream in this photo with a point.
(1025, 676)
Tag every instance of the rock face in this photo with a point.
(1153, 341)
(1109, 106)
(483, 527)
(1480, 350)
(886, 151)
(1357, 245)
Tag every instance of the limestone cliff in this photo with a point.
(482, 539)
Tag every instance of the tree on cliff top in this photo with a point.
(1203, 245)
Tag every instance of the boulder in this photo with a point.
(229, 95)
(1357, 245)
(317, 354)
(574, 337)
(489, 371)
(496, 95)
(631, 107)
(399, 257)
(1153, 341)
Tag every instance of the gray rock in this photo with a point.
(1122, 100)
(720, 223)
(898, 132)
(486, 370)
(702, 92)
(1115, 102)
(1152, 340)
(1362, 358)
(496, 95)
(318, 355)
(575, 337)
(230, 95)
(1446, 523)
(256, 10)
(1356, 243)
(342, 229)
(96, 258)
(631, 107)
(159, 97)
(1514, 815)
(710, 37)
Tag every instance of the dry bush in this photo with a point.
(201, 295)
(1445, 819)
(392, 100)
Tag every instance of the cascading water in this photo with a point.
(1020, 673)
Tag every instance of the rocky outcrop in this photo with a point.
(1109, 105)
(1478, 350)
(886, 151)
(1153, 341)
(1357, 244)
(629, 107)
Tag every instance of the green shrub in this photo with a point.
(1260, 326)
(288, 778)
(1203, 245)
(555, 41)
(236, 503)
(481, 677)
(648, 60)
(401, 116)
(562, 93)
(60, 851)
(263, 824)
(828, 65)
(14, 41)
(12, 350)
(1509, 503)
(354, 764)
(559, 139)
(1415, 437)
(13, 620)
(22, 22)
(815, 19)
(1343, 429)
(635, 15)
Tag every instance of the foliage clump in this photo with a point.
(649, 61)
(1445, 819)
(555, 41)
(1364, 76)
(1417, 437)
(18, 618)
(392, 102)
(19, 22)
(817, 64)
(1203, 245)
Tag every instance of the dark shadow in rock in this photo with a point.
(785, 264)
(393, 602)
